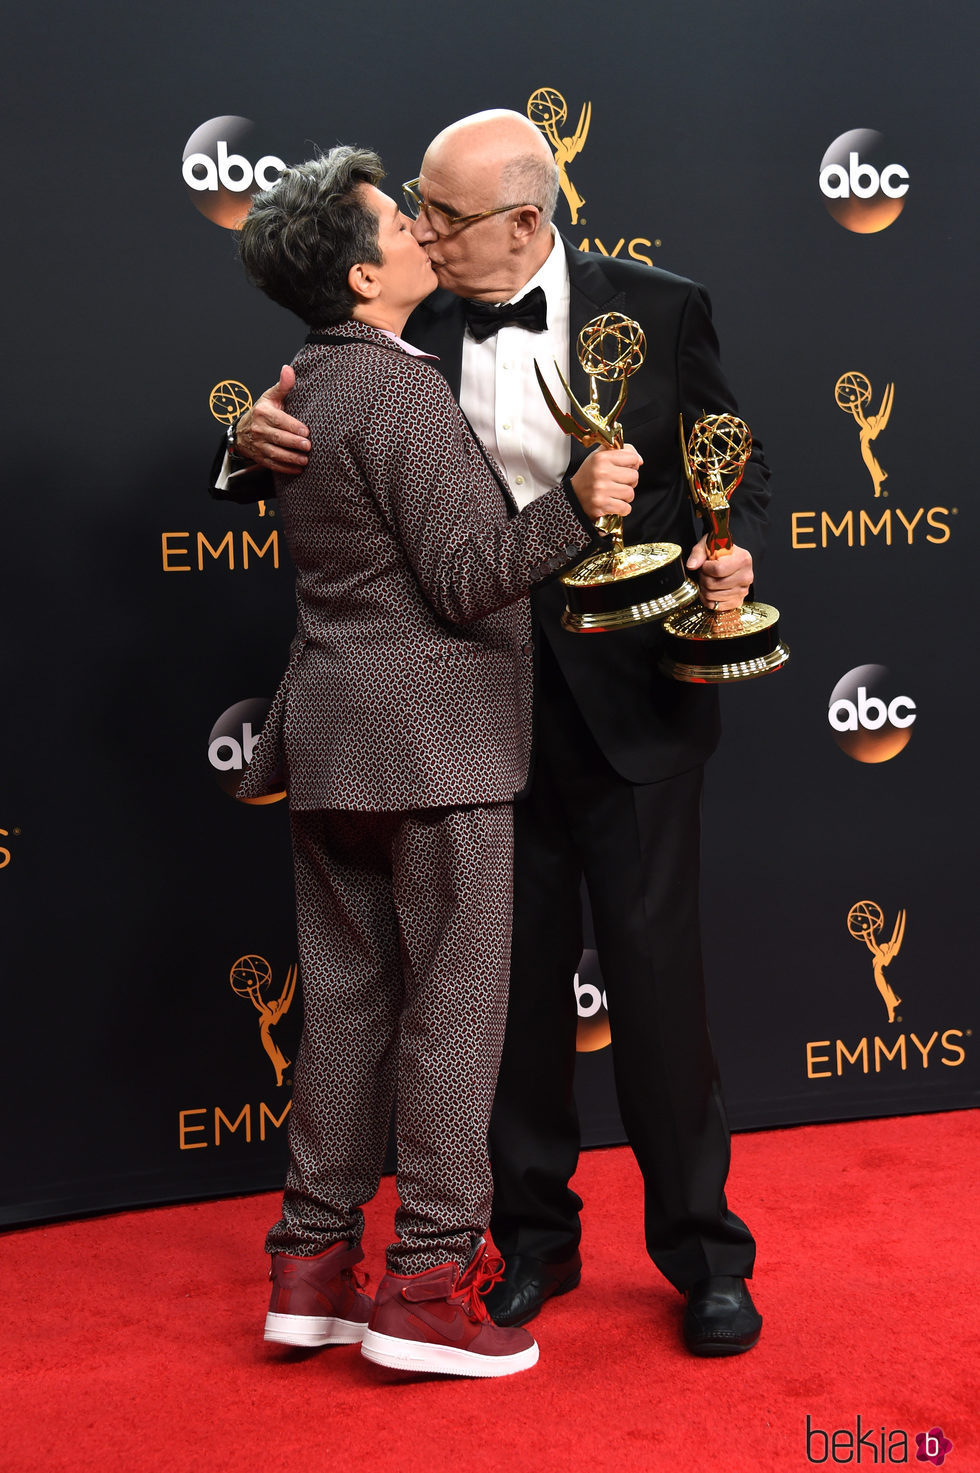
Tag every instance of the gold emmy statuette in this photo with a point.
(620, 586)
(705, 647)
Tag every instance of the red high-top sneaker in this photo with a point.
(437, 1321)
(317, 1301)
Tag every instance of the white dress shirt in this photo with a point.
(500, 395)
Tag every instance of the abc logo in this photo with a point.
(870, 723)
(231, 744)
(861, 189)
(220, 178)
(590, 1000)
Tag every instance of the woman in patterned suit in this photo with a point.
(402, 725)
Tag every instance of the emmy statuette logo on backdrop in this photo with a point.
(852, 393)
(236, 549)
(859, 527)
(229, 399)
(251, 977)
(208, 1126)
(548, 111)
(923, 1047)
(866, 922)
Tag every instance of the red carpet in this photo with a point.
(133, 1342)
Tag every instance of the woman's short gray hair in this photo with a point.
(300, 238)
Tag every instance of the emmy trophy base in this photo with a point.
(626, 586)
(705, 648)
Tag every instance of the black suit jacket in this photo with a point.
(648, 727)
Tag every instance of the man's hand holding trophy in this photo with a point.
(621, 586)
(627, 585)
(709, 646)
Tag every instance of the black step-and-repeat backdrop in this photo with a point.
(813, 165)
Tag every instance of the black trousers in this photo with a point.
(638, 847)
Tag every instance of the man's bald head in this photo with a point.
(493, 172)
(505, 152)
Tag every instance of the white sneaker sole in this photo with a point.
(444, 1360)
(311, 1330)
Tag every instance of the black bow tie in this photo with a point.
(485, 318)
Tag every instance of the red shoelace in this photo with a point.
(477, 1282)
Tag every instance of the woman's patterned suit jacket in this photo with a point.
(409, 678)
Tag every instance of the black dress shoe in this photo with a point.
(527, 1283)
(720, 1318)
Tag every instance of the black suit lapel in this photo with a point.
(437, 326)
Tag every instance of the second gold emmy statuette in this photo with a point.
(620, 586)
(705, 646)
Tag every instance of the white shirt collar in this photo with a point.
(551, 276)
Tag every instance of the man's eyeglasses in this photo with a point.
(443, 223)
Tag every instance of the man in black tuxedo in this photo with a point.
(619, 750)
